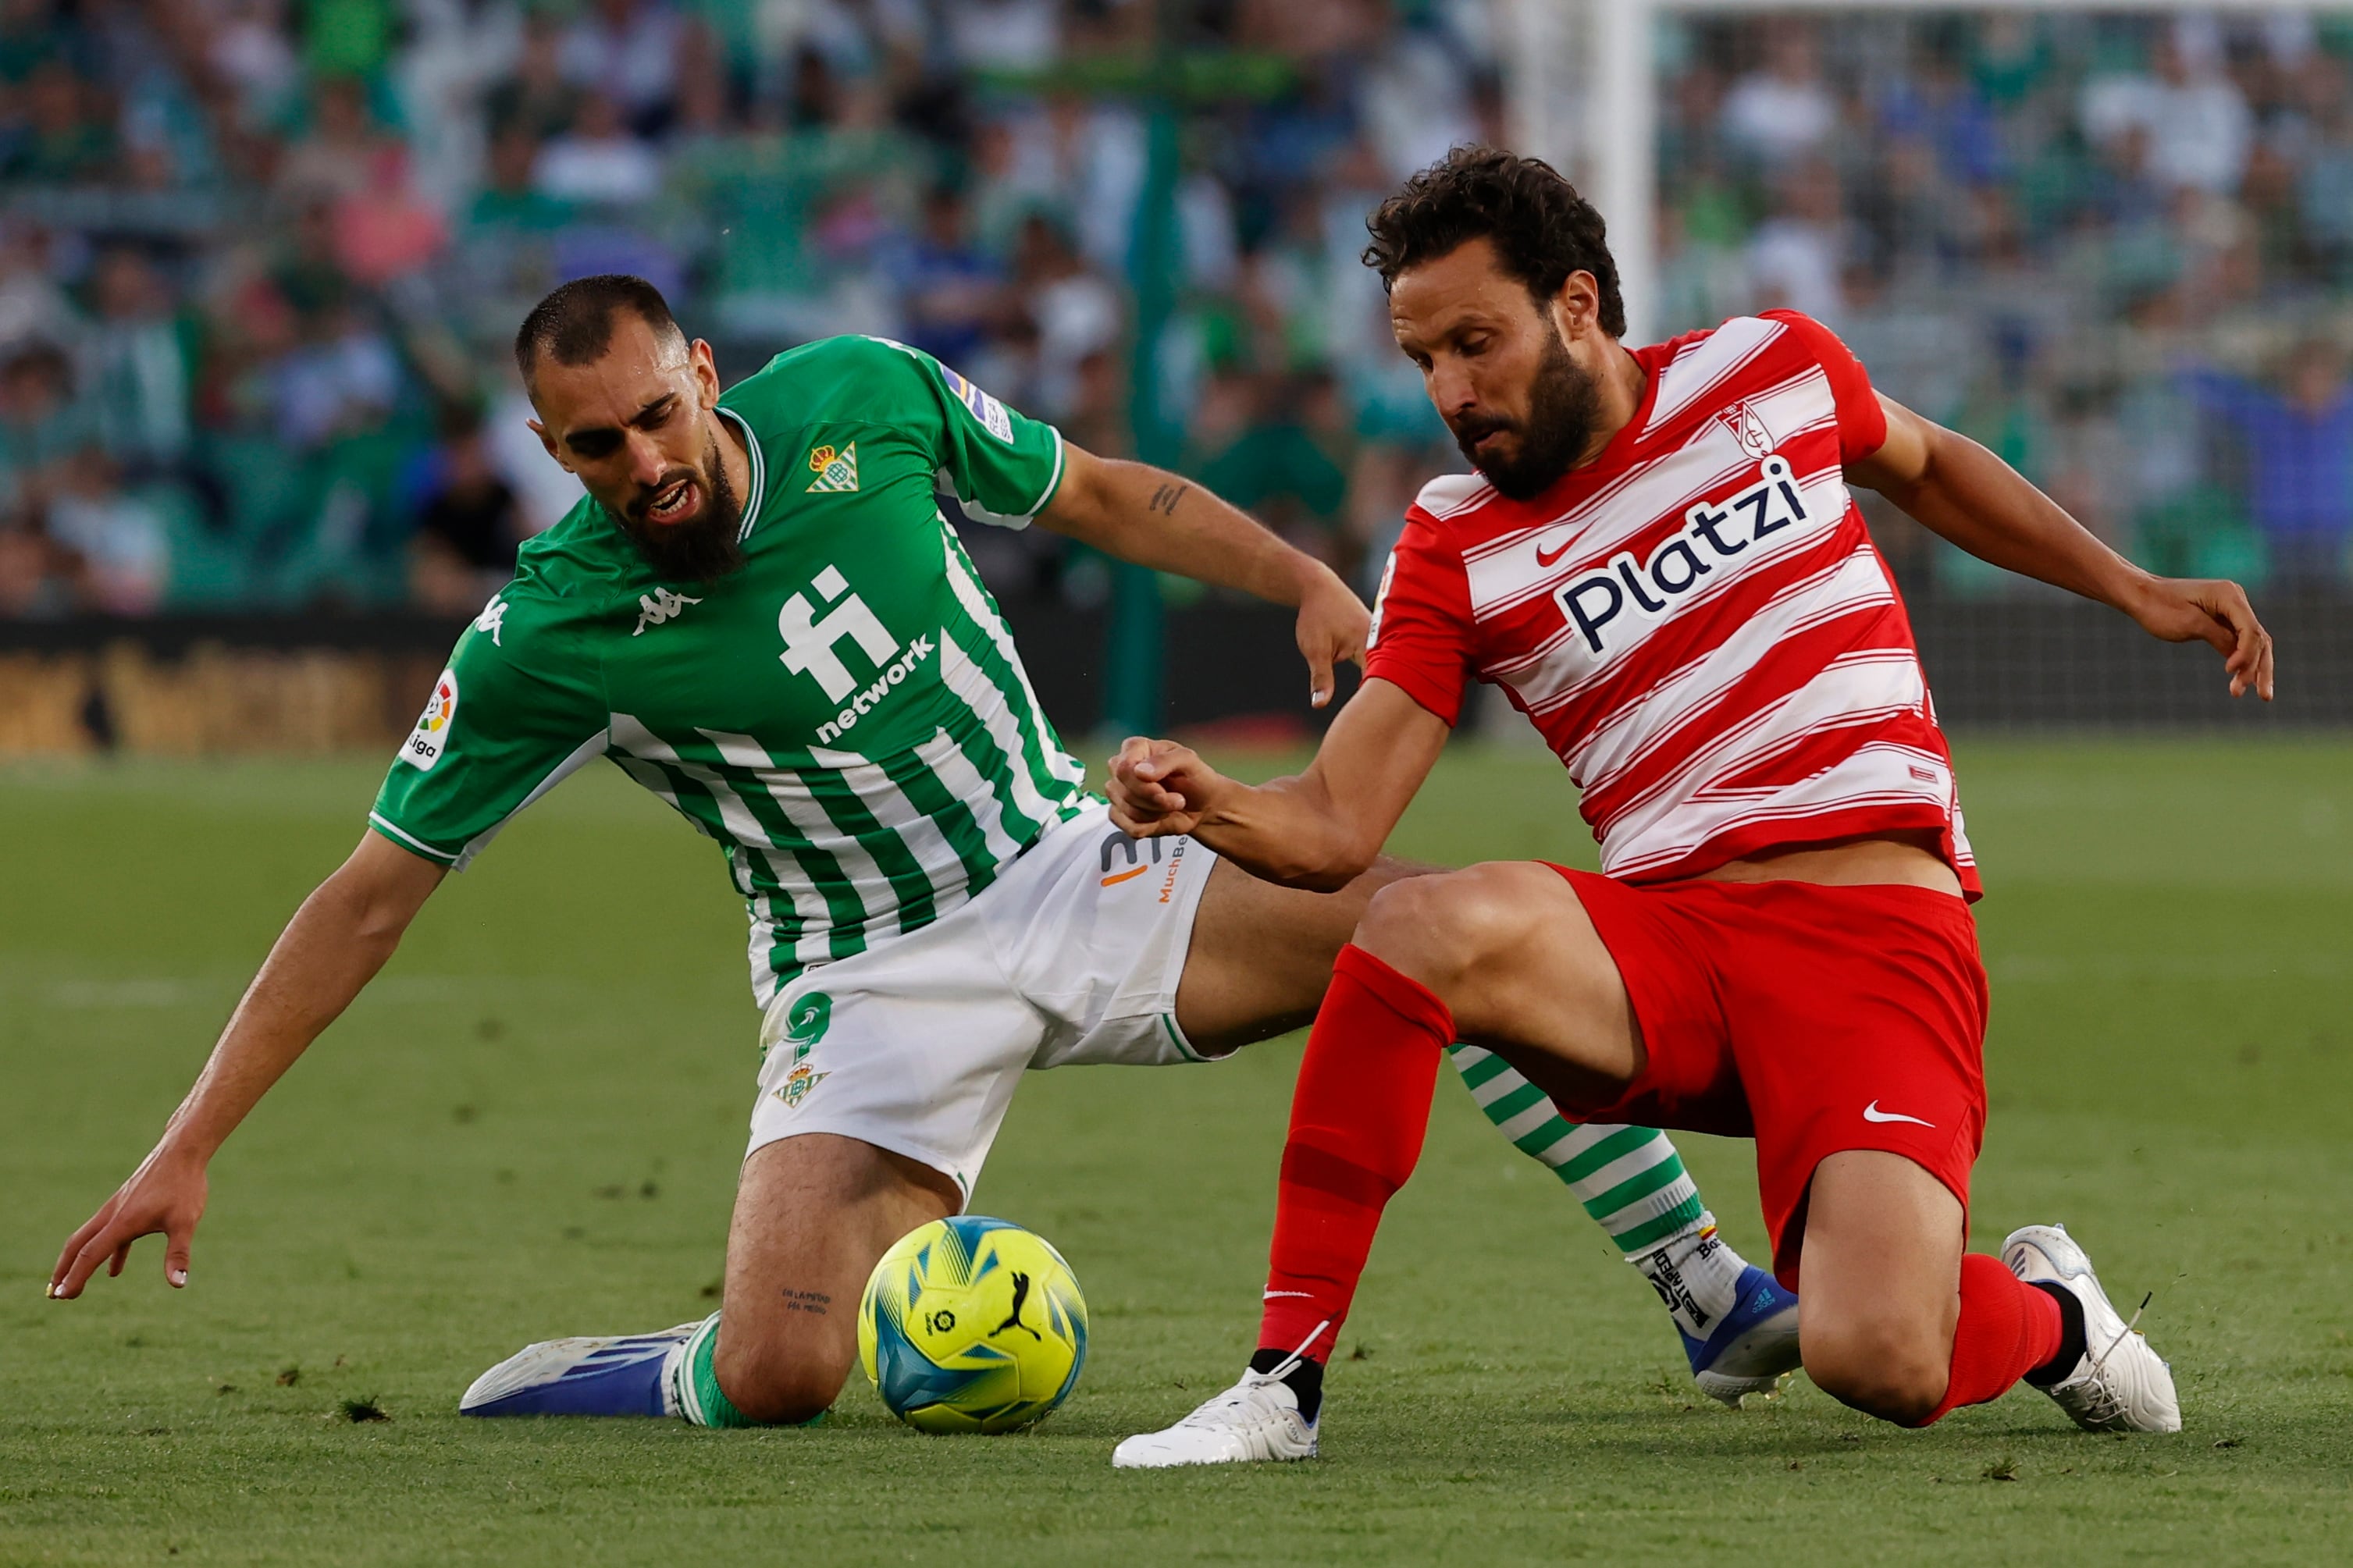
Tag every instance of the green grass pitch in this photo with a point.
(530, 1127)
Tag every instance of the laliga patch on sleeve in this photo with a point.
(984, 407)
(431, 737)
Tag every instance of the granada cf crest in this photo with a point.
(835, 471)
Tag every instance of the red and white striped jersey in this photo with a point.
(1697, 621)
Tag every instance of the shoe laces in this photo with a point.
(1252, 1388)
(2106, 1404)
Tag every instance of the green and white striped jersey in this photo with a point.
(846, 715)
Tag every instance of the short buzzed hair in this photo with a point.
(573, 325)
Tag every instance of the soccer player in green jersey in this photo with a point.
(763, 614)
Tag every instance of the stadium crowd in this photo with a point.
(259, 259)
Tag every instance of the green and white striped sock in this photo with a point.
(691, 1387)
(1630, 1180)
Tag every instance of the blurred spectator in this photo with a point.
(1785, 111)
(955, 294)
(41, 423)
(1796, 256)
(537, 99)
(627, 50)
(336, 160)
(139, 364)
(63, 140)
(597, 160)
(344, 377)
(467, 523)
(1075, 312)
(35, 574)
(2298, 459)
(2196, 120)
(121, 550)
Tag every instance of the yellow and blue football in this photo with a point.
(972, 1325)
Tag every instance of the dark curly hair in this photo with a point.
(1541, 228)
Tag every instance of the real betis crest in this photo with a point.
(835, 471)
(805, 1025)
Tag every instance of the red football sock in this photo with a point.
(2008, 1328)
(1357, 1119)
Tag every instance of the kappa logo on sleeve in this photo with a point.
(984, 407)
(431, 737)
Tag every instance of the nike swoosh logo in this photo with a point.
(1546, 558)
(1873, 1114)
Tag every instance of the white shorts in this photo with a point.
(915, 1044)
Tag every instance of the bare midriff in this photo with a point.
(1904, 859)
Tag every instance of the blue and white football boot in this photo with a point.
(1751, 1348)
(620, 1375)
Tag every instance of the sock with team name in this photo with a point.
(1357, 1119)
(2007, 1330)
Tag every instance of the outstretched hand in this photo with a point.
(1159, 789)
(165, 1193)
(2213, 611)
(1332, 627)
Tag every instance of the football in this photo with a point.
(971, 1324)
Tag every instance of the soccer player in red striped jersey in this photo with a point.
(1660, 562)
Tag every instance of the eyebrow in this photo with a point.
(599, 434)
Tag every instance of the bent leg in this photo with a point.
(814, 1213)
(1900, 1323)
(1260, 957)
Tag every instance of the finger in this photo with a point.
(2263, 670)
(74, 1244)
(176, 1259)
(85, 1264)
(114, 1263)
(1319, 677)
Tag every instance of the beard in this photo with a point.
(704, 548)
(1564, 410)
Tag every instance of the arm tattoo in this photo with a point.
(1164, 500)
(807, 1301)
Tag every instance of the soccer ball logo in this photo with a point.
(439, 706)
(972, 1325)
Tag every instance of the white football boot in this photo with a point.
(1254, 1422)
(2121, 1384)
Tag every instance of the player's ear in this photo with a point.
(1577, 305)
(706, 371)
(548, 441)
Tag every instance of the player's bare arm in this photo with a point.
(1153, 517)
(1958, 489)
(343, 934)
(1320, 830)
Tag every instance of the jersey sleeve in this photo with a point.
(1420, 637)
(505, 724)
(1002, 466)
(1863, 423)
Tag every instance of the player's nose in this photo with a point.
(646, 463)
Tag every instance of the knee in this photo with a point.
(772, 1387)
(1441, 928)
(1881, 1366)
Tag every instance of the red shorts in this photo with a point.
(1812, 1019)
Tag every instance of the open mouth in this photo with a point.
(673, 503)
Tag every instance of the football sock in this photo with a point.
(693, 1387)
(2007, 1329)
(2072, 1346)
(1305, 1378)
(1629, 1179)
(1357, 1119)
(1696, 1275)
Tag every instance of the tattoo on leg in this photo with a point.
(1164, 500)
(814, 1302)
